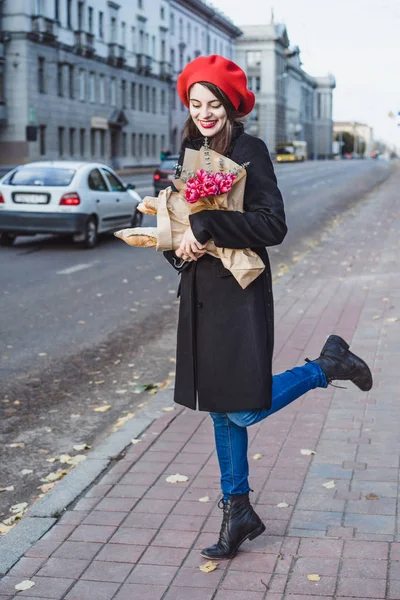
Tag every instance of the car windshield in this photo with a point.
(42, 176)
(285, 150)
(169, 164)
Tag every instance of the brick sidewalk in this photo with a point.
(134, 536)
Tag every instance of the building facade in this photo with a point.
(290, 104)
(95, 79)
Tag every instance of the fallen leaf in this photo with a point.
(26, 471)
(80, 447)
(168, 408)
(171, 374)
(376, 317)
(43, 451)
(11, 520)
(75, 416)
(204, 499)
(371, 496)
(72, 460)
(257, 456)
(10, 488)
(17, 445)
(135, 441)
(176, 478)
(53, 459)
(158, 277)
(307, 452)
(17, 508)
(46, 487)
(24, 585)
(55, 475)
(82, 322)
(42, 354)
(282, 505)
(5, 528)
(121, 391)
(208, 566)
(103, 408)
(313, 577)
(392, 319)
(329, 485)
(122, 420)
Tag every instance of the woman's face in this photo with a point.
(207, 112)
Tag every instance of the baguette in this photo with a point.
(144, 237)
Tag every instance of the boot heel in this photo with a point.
(257, 532)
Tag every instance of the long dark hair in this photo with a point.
(222, 140)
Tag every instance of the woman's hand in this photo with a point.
(190, 248)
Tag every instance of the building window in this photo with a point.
(82, 136)
(42, 139)
(172, 59)
(90, 19)
(101, 25)
(140, 144)
(113, 30)
(92, 87)
(173, 98)
(133, 144)
(124, 148)
(102, 142)
(61, 141)
(172, 24)
(102, 89)
(69, 14)
(82, 85)
(163, 102)
(163, 146)
(140, 96)
(254, 113)
(133, 39)
(60, 80)
(72, 141)
(71, 90)
(140, 3)
(113, 92)
(41, 75)
(258, 84)
(81, 25)
(93, 142)
(162, 13)
(154, 100)
(253, 59)
(154, 145)
(180, 30)
(189, 33)
(57, 10)
(123, 93)
(123, 34)
(133, 96)
(147, 144)
(153, 47)
(147, 98)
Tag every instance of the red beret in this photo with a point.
(220, 71)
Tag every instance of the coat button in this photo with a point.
(199, 304)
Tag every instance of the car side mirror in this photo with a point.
(130, 186)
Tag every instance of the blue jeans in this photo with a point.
(230, 428)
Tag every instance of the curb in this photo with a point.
(42, 515)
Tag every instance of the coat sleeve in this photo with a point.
(263, 222)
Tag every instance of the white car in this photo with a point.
(62, 197)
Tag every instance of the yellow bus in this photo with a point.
(291, 151)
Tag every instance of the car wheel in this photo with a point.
(90, 233)
(137, 219)
(7, 239)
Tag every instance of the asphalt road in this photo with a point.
(84, 328)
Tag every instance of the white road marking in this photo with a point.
(76, 268)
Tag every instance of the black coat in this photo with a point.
(226, 334)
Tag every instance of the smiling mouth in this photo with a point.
(208, 124)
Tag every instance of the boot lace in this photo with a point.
(340, 387)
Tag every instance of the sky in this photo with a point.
(358, 41)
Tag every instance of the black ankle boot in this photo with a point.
(337, 362)
(239, 523)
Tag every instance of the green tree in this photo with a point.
(348, 141)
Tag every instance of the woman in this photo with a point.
(225, 333)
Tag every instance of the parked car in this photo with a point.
(164, 174)
(82, 199)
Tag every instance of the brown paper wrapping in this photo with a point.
(173, 215)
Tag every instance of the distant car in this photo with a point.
(82, 199)
(164, 174)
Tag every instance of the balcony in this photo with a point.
(116, 55)
(143, 64)
(84, 43)
(165, 71)
(44, 29)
